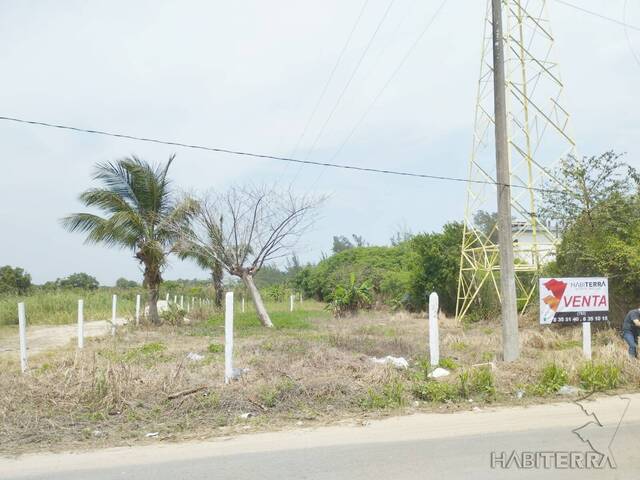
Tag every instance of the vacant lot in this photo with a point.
(144, 386)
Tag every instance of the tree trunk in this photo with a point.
(153, 305)
(216, 277)
(257, 300)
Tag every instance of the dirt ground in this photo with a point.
(43, 338)
(150, 384)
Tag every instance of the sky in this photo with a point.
(247, 75)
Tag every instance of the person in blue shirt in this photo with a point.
(630, 330)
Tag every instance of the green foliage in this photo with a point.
(449, 363)
(276, 293)
(391, 395)
(436, 267)
(174, 315)
(552, 378)
(124, 283)
(61, 306)
(433, 391)
(599, 214)
(481, 383)
(385, 268)
(215, 348)
(14, 280)
(350, 298)
(599, 377)
(82, 281)
(141, 214)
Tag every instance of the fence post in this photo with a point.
(434, 342)
(80, 324)
(137, 309)
(114, 306)
(291, 299)
(182, 302)
(228, 337)
(586, 340)
(22, 327)
(243, 304)
(166, 299)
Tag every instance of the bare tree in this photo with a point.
(246, 227)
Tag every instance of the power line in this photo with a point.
(353, 74)
(599, 15)
(258, 155)
(626, 33)
(328, 82)
(390, 79)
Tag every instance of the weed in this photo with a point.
(599, 377)
(215, 348)
(459, 346)
(391, 395)
(434, 391)
(448, 363)
(552, 378)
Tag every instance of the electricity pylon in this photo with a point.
(539, 136)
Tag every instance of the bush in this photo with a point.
(552, 378)
(215, 348)
(598, 377)
(390, 396)
(174, 315)
(434, 391)
(14, 280)
(350, 298)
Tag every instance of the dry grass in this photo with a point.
(315, 370)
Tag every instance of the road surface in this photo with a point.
(422, 446)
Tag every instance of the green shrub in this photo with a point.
(174, 315)
(552, 378)
(434, 391)
(215, 348)
(448, 363)
(598, 377)
(350, 298)
(391, 395)
(481, 382)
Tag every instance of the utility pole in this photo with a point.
(510, 340)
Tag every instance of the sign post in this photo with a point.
(434, 343)
(22, 329)
(228, 337)
(80, 324)
(586, 340)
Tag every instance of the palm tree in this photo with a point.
(200, 256)
(141, 214)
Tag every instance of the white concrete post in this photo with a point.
(114, 307)
(586, 340)
(22, 328)
(242, 304)
(175, 299)
(182, 301)
(434, 341)
(300, 298)
(138, 309)
(80, 324)
(228, 337)
(166, 299)
(291, 299)
(188, 307)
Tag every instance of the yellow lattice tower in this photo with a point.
(539, 137)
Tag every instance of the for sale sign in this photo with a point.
(568, 300)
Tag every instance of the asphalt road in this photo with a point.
(450, 446)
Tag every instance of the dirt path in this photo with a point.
(41, 338)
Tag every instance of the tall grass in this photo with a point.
(61, 306)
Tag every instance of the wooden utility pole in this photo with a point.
(510, 340)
